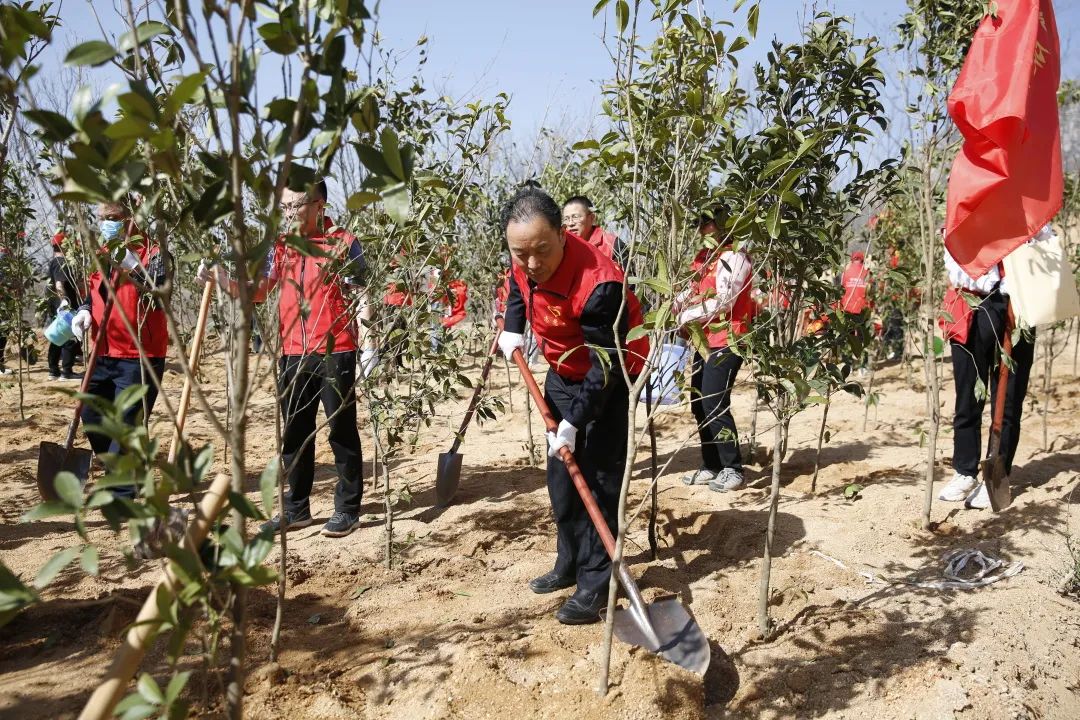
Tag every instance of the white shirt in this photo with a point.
(732, 276)
(985, 284)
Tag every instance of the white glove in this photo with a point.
(509, 342)
(81, 323)
(369, 359)
(564, 437)
(63, 304)
(130, 261)
(205, 272)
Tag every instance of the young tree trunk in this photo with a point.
(766, 561)
(820, 438)
(751, 451)
(1047, 385)
(930, 368)
(279, 610)
(869, 394)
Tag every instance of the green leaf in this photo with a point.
(391, 153)
(184, 92)
(143, 32)
(47, 509)
(773, 224)
(244, 506)
(149, 690)
(129, 396)
(268, 483)
(54, 126)
(69, 488)
(752, 19)
(56, 563)
(852, 491)
(599, 6)
(622, 15)
(89, 560)
(93, 53)
(176, 685)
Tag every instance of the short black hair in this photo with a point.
(528, 203)
(579, 200)
(318, 190)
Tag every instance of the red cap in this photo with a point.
(858, 255)
(58, 239)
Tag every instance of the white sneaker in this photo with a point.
(958, 488)
(979, 499)
(727, 479)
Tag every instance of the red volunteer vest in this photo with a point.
(742, 311)
(140, 310)
(604, 242)
(855, 280)
(459, 292)
(314, 281)
(554, 307)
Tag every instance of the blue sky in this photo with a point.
(548, 55)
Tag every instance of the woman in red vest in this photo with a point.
(722, 304)
(570, 293)
(141, 271)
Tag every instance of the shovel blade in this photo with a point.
(54, 459)
(447, 478)
(997, 482)
(680, 639)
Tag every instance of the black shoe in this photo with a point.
(341, 524)
(582, 608)
(70, 376)
(551, 582)
(294, 521)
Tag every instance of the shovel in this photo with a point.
(53, 458)
(663, 627)
(448, 474)
(193, 361)
(993, 467)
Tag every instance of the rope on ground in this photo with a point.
(965, 568)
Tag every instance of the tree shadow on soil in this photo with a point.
(704, 543)
(853, 651)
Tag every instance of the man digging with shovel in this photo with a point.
(141, 270)
(571, 293)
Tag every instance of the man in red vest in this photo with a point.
(570, 293)
(722, 303)
(322, 330)
(140, 272)
(579, 218)
(855, 281)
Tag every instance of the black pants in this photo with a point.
(601, 455)
(62, 356)
(977, 360)
(111, 377)
(305, 381)
(710, 401)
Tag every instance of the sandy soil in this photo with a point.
(452, 630)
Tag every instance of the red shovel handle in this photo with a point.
(1003, 371)
(567, 457)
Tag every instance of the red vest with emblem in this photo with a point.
(854, 281)
(554, 307)
(315, 282)
(604, 241)
(742, 311)
(140, 310)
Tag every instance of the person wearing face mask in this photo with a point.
(322, 330)
(141, 270)
(571, 294)
(578, 217)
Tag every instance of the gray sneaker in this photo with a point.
(341, 524)
(727, 479)
(701, 476)
(293, 521)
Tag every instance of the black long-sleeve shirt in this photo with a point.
(597, 325)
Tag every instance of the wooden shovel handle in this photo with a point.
(567, 457)
(126, 661)
(193, 363)
(475, 402)
(88, 371)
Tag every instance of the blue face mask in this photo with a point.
(111, 229)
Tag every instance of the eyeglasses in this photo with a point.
(573, 218)
(294, 206)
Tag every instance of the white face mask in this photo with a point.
(111, 229)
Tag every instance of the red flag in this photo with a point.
(1006, 183)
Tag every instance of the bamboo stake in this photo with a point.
(126, 661)
(193, 360)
